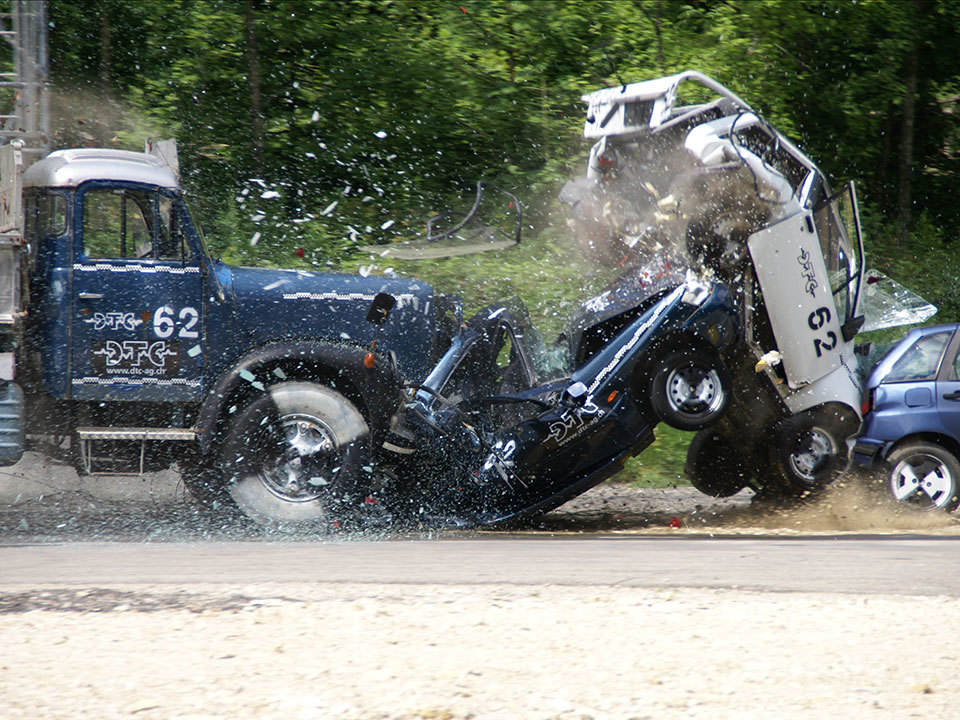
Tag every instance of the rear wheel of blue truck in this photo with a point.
(294, 458)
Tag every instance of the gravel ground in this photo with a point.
(399, 652)
(439, 652)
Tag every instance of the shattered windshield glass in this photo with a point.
(888, 304)
(492, 223)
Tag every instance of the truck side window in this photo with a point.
(44, 215)
(118, 223)
(52, 218)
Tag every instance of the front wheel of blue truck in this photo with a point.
(294, 458)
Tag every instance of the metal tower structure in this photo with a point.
(24, 91)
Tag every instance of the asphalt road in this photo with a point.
(58, 529)
(850, 564)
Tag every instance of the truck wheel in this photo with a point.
(808, 453)
(690, 389)
(925, 475)
(293, 458)
(202, 479)
(714, 466)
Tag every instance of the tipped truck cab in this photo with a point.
(700, 180)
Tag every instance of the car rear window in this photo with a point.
(921, 360)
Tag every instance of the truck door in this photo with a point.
(136, 300)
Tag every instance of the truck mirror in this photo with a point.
(851, 327)
(380, 308)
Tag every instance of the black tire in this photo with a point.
(714, 466)
(809, 453)
(690, 389)
(203, 479)
(925, 475)
(293, 458)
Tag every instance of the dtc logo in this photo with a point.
(135, 357)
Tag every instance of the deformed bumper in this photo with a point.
(867, 451)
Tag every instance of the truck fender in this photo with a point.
(340, 366)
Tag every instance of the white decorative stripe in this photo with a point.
(135, 381)
(148, 269)
(624, 349)
(402, 298)
(327, 296)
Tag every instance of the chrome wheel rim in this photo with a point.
(694, 391)
(812, 454)
(922, 479)
(303, 458)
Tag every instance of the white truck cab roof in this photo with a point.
(69, 168)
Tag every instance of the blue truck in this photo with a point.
(131, 347)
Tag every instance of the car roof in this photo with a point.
(929, 329)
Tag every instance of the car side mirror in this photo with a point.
(380, 308)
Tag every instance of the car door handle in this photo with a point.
(91, 296)
(952, 396)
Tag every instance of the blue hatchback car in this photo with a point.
(911, 424)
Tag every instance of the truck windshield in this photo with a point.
(206, 264)
(836, 222)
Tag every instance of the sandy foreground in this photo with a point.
(373, 651)
(358, 651)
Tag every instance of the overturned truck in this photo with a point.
(712, 186)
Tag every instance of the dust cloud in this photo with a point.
(856, 503)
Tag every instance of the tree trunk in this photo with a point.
(253, 79)
(659, 32)
(905, 175)
(104, 48)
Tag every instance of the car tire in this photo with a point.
(689, 389)
(809, 453)
(925, 475)
(714, 466)
(294, 457)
